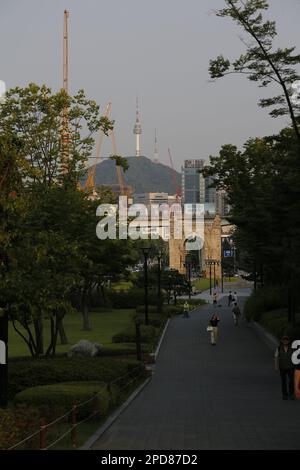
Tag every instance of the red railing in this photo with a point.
(72, 414)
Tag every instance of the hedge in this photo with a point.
(151, 309)
(264, 300)
(128, 335)
(131, 298)
(192, 302)
(171, 310)
(16, 424)
(34, 372)
(55, 400)
(277, 323)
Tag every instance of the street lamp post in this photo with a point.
(214, 276)
(146, 251)
(222, 276)
(138, 340)
(188, 266)
(189, 269)
(210, 263)
(159, 257)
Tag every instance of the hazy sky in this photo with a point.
(156, 49)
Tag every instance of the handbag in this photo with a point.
(209, 328)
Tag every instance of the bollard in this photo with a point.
(42, 434)
(138, 340)
(73, 432)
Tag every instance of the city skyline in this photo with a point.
(158, 52)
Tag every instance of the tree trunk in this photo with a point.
(102, 289)
(62, 333)
(262, 275)
(86, 324)
(39, 336)
(255, 278)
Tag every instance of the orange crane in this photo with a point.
(90, 181)
(65, 118)
(176, 185)
(124, 190)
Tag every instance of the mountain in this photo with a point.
(143, 175)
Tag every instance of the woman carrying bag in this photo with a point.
(213, 328)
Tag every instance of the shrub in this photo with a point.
(151, 309)
(154, 318)
(148, 334)
(131, 298)
(55, 400)
(277, 323)
(171, 310)
(16, 424)
(33, 372)
(264, 300)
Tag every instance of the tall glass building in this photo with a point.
(197, 190)
(193, 184)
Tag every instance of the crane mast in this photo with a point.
(65, 117)
(178, 190)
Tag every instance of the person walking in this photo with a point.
(230, 298)
(186, 309)
(213, 323)
(234, 297)
(236, 313)
(283, 363)
(215, 298)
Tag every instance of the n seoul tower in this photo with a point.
(137, 130)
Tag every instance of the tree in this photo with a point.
(44, 269)
(175, 284)
(120, 161)
(34, 116)
(34, 173)
(262, 63)
(263, 189)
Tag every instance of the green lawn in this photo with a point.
(122, 286)
(104, 325)
(201, 284)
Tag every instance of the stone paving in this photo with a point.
(209, 397)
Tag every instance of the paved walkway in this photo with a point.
(209, 397)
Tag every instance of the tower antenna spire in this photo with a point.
(137, 130)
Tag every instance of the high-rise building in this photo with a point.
(196, 189)
(193, 189)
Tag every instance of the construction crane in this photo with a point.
(124, 190)
(90, 181)
(174, 178)
(65, 117)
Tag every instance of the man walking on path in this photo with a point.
(230, 298)
(283, 363)
(186, 309)
(214, 332)
(236, 313)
